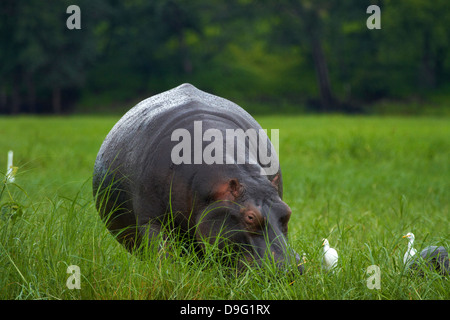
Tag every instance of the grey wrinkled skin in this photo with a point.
(137, 186)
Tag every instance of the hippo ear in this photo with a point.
(229, 190)
(276, 180)
(235, 187)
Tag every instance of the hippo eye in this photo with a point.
(249, 218)
(252, 219)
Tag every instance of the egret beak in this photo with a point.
(405, 236)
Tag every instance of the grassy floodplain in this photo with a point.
(362, 182)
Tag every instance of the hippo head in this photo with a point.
(249, 215)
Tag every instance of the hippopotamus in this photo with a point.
(168, 159)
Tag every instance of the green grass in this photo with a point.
(362, 182)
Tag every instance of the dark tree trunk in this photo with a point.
(312, 24)
(3, 98)
(427, 73)
(56, 100)
(320, 65)
(15, 97)
(184, 53)
(31, 92)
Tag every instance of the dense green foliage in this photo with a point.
(362, 182)
(273, 55)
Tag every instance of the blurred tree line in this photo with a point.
(268, 53)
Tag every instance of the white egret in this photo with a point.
(411, 252)
(330, 256)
